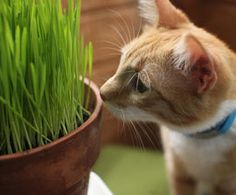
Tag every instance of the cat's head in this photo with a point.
(174, 72)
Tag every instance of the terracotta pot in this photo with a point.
(59, 168)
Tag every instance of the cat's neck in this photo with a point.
(225, 109)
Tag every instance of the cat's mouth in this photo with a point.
(115, 110)
(130, 113)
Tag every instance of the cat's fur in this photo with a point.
(183, 78)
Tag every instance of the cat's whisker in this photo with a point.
(110, 49)
(119, 127)
(136, 132)
(122, 129)
(137, 82)
(149, 80)
(140, 28)
(138, 136)
(127, 28)
(127, 83)
(124, 42)
(122, 31)
(116, 45)
(124, 23)
(115, 39)
(141, 127)
(131, 132)
(129, 33)
(133, 31)
(144, 131)
(123, 119)
(120, 25)
(131, 79)
(119, 34)
(132, 129)
(113, 54)
(156, 143)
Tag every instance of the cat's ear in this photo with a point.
(162, 13)
(196, 64)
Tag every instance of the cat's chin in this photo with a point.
(130, 113)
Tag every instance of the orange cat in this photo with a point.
(180, 76)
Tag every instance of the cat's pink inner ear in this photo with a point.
(201, 67)
(169, 15)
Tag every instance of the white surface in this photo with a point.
(97, 186)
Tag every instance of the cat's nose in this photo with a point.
(107, 90)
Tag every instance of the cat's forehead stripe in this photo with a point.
(136, 57)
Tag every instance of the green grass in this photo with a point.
(43, 63)
(129, 171)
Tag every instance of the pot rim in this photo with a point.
(90, 120)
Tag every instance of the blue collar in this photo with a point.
(221, 128)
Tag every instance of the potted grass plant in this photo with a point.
(49, 111)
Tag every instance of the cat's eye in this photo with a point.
(138, 85)
(141, 88)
